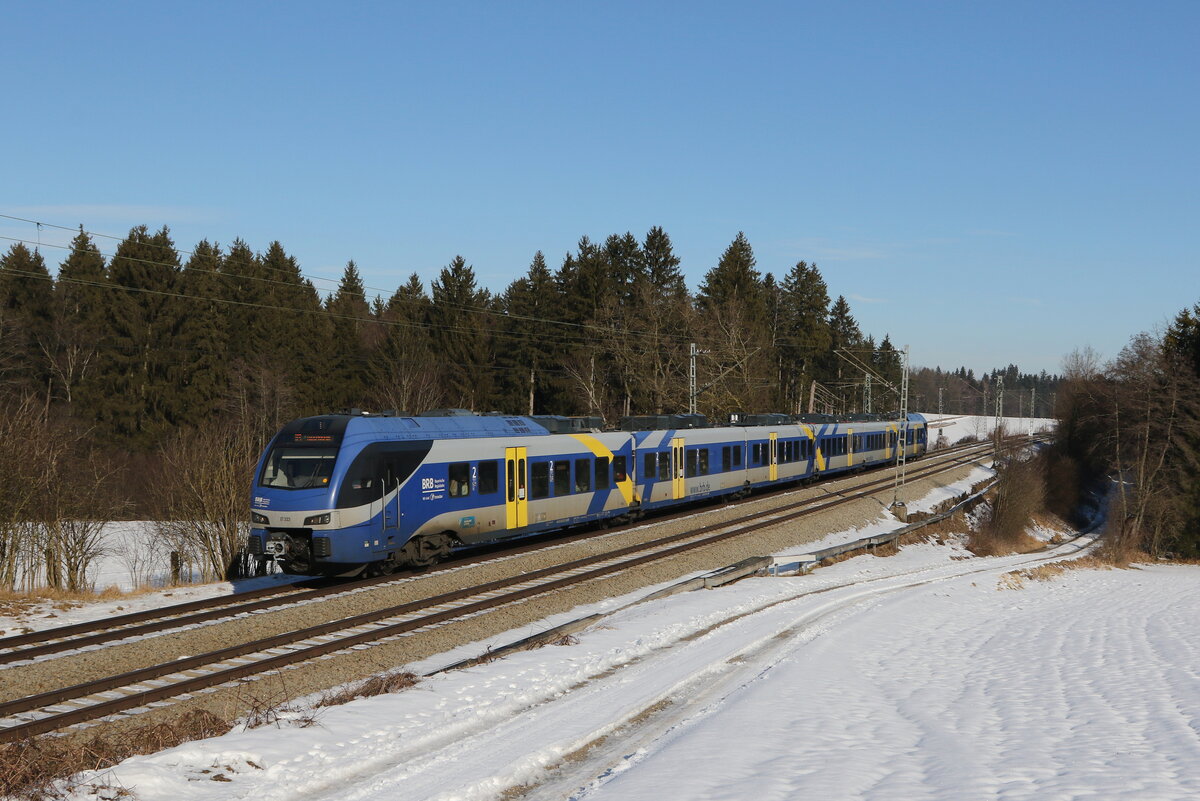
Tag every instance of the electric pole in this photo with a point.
(901, 460)
(999, 411)
(692, 380)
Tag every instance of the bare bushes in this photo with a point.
(1015, 579)
(1138, 420)
(29, 769)
(1020, 494)
(54, 502)
(201, 496)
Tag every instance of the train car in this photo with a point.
(342, 493)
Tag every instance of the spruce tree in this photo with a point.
(889, 362)
(626, 263)
(735, 279)
(738, 335)
(244, 285)
(1181, 344)
(530, 341)
(141, 399)
(662, 265)
(80, 297)
(349, 317)
(404, 374)
(26, 320)
(299, 336)
(461, 331)
(203, 378)
(804, 334)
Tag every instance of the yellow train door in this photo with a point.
(773, 456)
(516, 499)
(678, 490)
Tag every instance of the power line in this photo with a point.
(681, 340)
(583, 327)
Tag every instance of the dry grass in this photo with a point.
(1019, 497)
(1015, 579)
(18, 604)
(986, 544)
(368, 688)
(938, 533)
(29, 769)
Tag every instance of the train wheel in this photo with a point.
(425, 551)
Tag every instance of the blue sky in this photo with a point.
(990, 183)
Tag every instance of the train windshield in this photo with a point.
(298, 468)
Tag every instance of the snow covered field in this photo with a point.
(915, 676)
(923, 675)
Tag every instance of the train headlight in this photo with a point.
(257, 518)
(317, 520)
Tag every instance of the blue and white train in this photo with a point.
(343, 493)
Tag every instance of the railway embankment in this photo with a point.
(228, 703)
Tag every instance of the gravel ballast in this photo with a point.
(321, 674)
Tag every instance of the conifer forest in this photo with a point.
(137, 375)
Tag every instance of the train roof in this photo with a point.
(443, 424)
(397, 427)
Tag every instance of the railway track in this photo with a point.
(156, 685)
(137, 625)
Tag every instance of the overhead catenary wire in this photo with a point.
(575, 334)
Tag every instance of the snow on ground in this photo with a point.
(132, 559)
(915, 676)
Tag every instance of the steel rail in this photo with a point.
(578, 571)
(139, 624)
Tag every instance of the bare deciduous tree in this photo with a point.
(202, 500)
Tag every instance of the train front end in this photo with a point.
(293, 514)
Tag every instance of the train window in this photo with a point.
(726, 459)
(703, 459)
(583, 475)
(562, 477)
(602, 480)
(737, 455)
(649, 466)
(489, 477)
(755, 453)
(510, 483)
(619, 473)
(664, 467)
(459, 485)
(691, 463)
(298, 468)
(539, 480)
